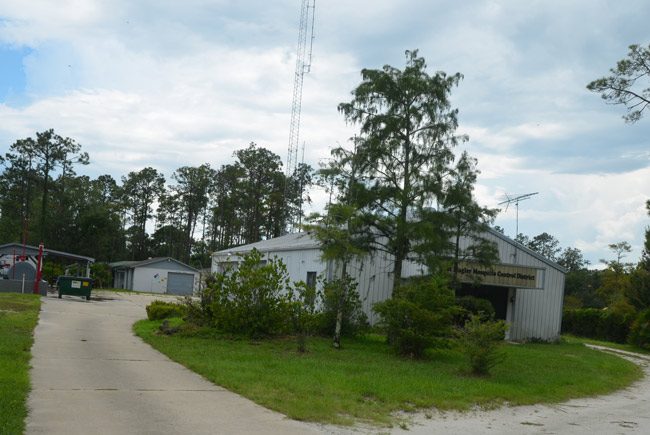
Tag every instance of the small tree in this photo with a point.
(303, 310)
(615, 280)
(480, 340)
(546, 245)
(101, 273)
(341, 308)
(342, 232)
(645, 255)
(252, 299)
(640, 331)
(418, 316)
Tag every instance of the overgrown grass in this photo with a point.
(365, 382)
(18, 317)
(627, 347)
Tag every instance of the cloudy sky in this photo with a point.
(166, 83)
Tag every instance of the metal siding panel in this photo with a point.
(537, 313)
(144, 280)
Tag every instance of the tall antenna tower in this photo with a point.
(303, 66)
(515, 199)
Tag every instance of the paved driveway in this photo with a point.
(92, 375)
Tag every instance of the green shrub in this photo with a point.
(158, 310)
(640, 330)
(341, 291)
(602, 324)
(303, 309)
(51, 271)
(198, 312)
(252, 299)
(479, 340)
(418, 316)
(101, 273)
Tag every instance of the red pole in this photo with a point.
(38, 268)
(13, 269)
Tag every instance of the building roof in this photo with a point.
(288, 242)
(305, 240)
(149, 261)
(18, 248)
(527, 250)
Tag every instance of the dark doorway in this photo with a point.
(498, 296)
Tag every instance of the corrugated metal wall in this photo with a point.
(375, 281)
(533, 313)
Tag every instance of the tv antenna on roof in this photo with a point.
(514, 199)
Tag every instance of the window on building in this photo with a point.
(311, 279)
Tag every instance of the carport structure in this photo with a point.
(19, 265)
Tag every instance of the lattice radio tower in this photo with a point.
(303, 66)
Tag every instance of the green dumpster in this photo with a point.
(75, 286)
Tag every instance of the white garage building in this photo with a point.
(525, 288)
(156, 275)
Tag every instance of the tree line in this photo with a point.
(622, 285)
(198, 210)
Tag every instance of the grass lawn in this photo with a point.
(18, 317)
(365, 382)
(628, 347)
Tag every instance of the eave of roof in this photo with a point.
(528, 251)
(307, 241)
(288, 242)
(134, 264)
(33, 250)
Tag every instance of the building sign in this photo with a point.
(504, 275)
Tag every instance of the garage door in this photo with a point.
(180, 283)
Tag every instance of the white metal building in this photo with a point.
(156, 275)
(525, 288)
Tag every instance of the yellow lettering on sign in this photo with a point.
(505, 275)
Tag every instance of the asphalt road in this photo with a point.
(92, 375)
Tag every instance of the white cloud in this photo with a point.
(587, 211)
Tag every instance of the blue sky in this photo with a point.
(168, 83)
